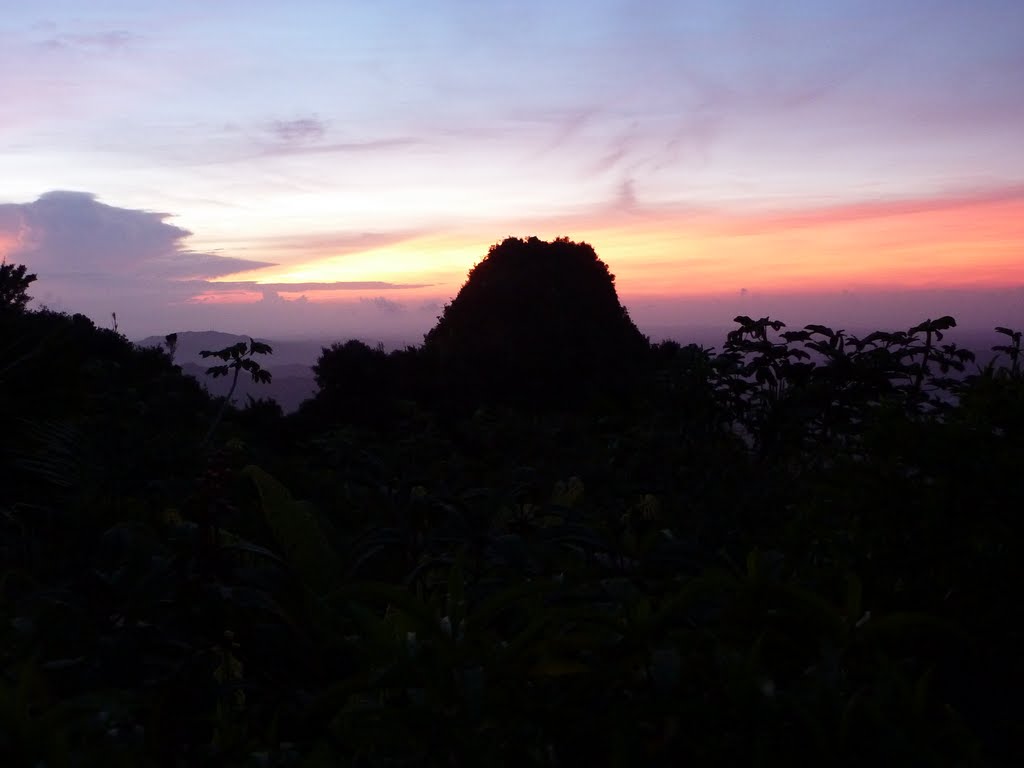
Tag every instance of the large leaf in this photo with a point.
(297, 533)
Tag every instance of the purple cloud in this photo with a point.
(383, 304)
(272, 297)
(96, 259)
(72, 233)
(306, 129)
(626, 199)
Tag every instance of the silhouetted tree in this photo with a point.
(352, 365)
(238, 357)
(171, 340)
(536, 322)
(355, 382)
(14, 283)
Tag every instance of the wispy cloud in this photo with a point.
(111, 40)
(341, 285)
(337, 147)
(626, 200)
(237, 145)
(809, 217)
(383, 304)
(311, 135)
(332, 244)
(302, 130)
(618, 149)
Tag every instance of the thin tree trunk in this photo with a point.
(223, 407)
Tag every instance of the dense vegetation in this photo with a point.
(802, 546)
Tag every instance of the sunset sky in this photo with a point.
(336, 167)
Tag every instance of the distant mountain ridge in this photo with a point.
(191, 343)
(290, 364)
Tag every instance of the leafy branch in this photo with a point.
(237, 358)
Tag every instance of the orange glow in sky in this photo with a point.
(226, 297)
(963, 243)
(11, 239)
(967, 244)
(7, 243)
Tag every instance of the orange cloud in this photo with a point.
(225, 297)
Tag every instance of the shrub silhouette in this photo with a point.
(536, 322)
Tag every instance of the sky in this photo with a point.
(336, 167)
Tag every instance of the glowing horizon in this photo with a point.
(342, 166)
(911, 244)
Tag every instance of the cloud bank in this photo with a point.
(72, 234)
(96, 259)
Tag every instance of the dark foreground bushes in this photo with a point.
(804, 547)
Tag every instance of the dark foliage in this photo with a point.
(356, 384)
(14, 282)
(237, 358)
(803, 548)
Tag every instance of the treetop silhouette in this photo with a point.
(14, 283)
(535, 321)
(238, 357)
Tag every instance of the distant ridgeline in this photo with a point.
(291, 365)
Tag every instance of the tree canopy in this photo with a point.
(536, 319)
(14, 283)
